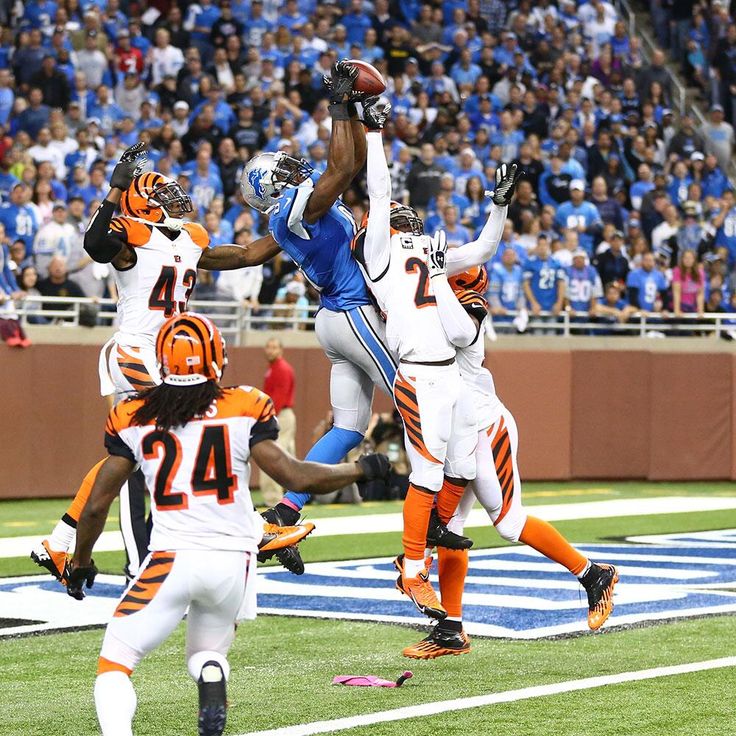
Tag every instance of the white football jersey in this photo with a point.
(198, 474)
(404, 295)
(160, 282)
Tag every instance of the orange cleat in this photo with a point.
(440, 643)
(55, 562)
(599, 583)
(420, 590)
(278, 537)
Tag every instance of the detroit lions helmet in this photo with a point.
(266, 175)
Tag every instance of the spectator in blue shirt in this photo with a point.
(7, 96)
(726, 232)
(457, 235)
(643, 185)
(291, 17)
(544, 280)
(35, 116)
(583, 284)
(356, 22)
(612, 308)
(205, 184)
(465, 72)
(106, 111)
(19, 217)
(580, 216)
(40, 14)
(714, 182)
(506, 280)
(680, 180)
(646, 286)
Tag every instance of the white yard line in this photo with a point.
(478, 701)
(370, 523)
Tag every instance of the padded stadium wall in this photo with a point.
(583, 412)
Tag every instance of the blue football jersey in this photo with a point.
(726, 236)
(21, 223)
(322, 250)
(506, 285)
(649, 284)
(582, 285)
(543, 277)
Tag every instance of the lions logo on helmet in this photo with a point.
(266, 175)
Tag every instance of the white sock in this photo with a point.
(62, 538)
(454, 618)
(198, 659)
(412, 568)
(115, 702)
(587, 567)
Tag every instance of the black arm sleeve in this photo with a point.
(101, 245)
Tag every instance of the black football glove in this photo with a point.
(505, 184)
(375, 466)
(375, 116)
(340, 82)
(78, 577)
(130, 165)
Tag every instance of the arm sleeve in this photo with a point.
(480, 250)
(377, 245)
(266, 427)
(459, 326)
(101, 245)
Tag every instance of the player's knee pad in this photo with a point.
(428, 475)
(512, 524)
(463, 467)
(198, 660)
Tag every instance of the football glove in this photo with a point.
(505, 184)
(437, 254)
(340, 82)
(375, 466)
(130, 165)
(78, 577)
(375, 116)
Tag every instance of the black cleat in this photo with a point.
(289, 557)
(212, 700)
(599, 582)
(441, 642)
(438, 535)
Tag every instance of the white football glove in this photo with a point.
(437, 254)
(505, 184)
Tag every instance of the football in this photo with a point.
(369, 78)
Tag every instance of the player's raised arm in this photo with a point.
(377, 242)
(484, 248)
(316, 478)
(230, 257)
(461, 329)
(101, 245)
(341, 154)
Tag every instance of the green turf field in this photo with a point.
(282, 667)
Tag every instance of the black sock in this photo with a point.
(288, 515)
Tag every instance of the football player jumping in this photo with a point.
(497, 484)
(193, 440)
(438, 414)
(307, 220)
(155, 255)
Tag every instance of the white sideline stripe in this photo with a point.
(112, 541)
(478, 701)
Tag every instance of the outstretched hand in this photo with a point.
(130, 165)
(375, 116)
(437, 254)
(505, 184)
(340, 82)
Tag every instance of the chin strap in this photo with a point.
(171, 223)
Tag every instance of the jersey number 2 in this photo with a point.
(162, 294)
(422, 298)
(212, 473)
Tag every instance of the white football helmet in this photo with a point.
(266, 175)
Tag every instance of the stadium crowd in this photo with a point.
(624, 205)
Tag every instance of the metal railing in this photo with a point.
(233, 318)
(236, 319)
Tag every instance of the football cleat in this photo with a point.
(441, 642)
(599, 582)
(277, 537)
(438, 535)
(212, 700)
(57, 563)
(420, 590)
(288, 556)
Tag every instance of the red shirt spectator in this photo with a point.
(279, 380)
(129, 58)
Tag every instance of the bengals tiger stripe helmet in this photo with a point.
(474, 279)
(154, 197)
(190, 350)
(473, 303)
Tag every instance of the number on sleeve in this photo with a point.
(422, 298)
